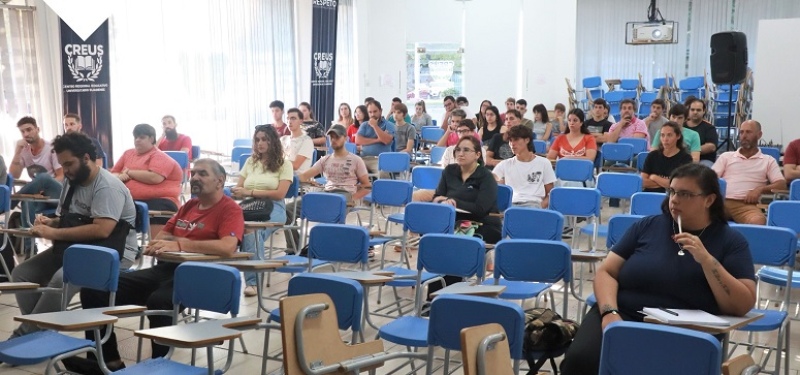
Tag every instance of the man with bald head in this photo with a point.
(748, 174)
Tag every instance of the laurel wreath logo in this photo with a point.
(85, 77)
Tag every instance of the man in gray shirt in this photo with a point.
(405, 132)
(656, 118)
(94, 194)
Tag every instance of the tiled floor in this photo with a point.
(250, 363)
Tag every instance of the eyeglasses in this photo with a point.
(683, 194)
(463, 131)
(464, 150)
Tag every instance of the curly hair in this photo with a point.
(272, 160)
(77, 143)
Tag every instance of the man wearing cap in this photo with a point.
(345, 173)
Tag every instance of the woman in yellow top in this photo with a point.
(263, 182)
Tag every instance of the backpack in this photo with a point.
(547, 335)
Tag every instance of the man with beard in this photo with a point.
(375, 136)
(91, 192)
(706, 131)
(211, 223)
(745, 171)
(72, 123)
(172, 141)
(151, 175)
(499, 148)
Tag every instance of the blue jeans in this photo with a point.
(42, 183)
(254, 242)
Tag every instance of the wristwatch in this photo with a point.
(609, 311)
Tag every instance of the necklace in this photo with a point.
(674, 231)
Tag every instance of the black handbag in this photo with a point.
(257, 209)
(116, 240)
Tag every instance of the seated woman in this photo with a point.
(491, 124)
(660, 163)
(645, 269)
(542, 126)
(263, 183)
(576, 142)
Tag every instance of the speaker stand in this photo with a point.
(727, 142)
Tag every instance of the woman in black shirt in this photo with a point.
(660, 163)
(492, 123)
(468, 186)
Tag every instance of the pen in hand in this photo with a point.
(668, 311)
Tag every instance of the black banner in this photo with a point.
(86, 82)
(323, 57)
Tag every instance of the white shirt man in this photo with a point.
(530, 177)
(298, 147)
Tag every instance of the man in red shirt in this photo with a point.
(171, 140)
(211, 223)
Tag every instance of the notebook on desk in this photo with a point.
(682, 316)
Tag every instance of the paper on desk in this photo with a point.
(697, 317)
(182, 254)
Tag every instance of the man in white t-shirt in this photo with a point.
(297, 147)
(530, 177)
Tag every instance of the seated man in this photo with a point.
(211, 223)
(656, 119)
(151, 175)
(499, 148)
(531, 177)
(522, 108)
(791, 160)
(374, 136)
(691, 139)
(696, 110)
(95, 209)
(72, 123)
(598, 123)
(345, 174)
(745, 171)
(629, 126)
(298, 147)
(451, 135)
(171, 140)
(405, 132)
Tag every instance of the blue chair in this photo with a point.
(692, 86)
(530, 267)
(578, 170)
(347, 296)
(426, 177)
(504, 196)
(593, 88)
(640, 159)
(142, 228)
(660, 82)
(86, 266)
(238, 151)
(613, 98)
(617, 226)
(243, 159)
(539, 146)
(105, 160)
(639, 144)
(446, 324)
(243, 142)
(182, 158)
(5, 209)
(577, 202)
(647, 203)
(443, 254)
(638, 348)
(723, 187)
(338, 243)
(781, 214)
(395, 163)
(437, 153)
(772, 151)
(391, 193)
(351, 148)
(618, 153)
(614, 186)
(431, 134)
(195, 152)
(794, 190)
(517, 223)
(776, 247)
(645, 101)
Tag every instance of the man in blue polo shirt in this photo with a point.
(374, 136)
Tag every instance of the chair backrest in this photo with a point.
(723, 187)
(347, 295)
(451, 254)
(640, 159)
(692, 83)
(396, 193)
(324, 208)
(658, 82)
(238, 151)
(142, 217)
(574, 170)
(629, 84)
(638, 348)
(425, 217)
(294, 188)
(394, 162)
(614, 98)
(647, 203)
(243, 142)
(784, 214)
(339, 243)
(351, 148)
(772, 151)
(572, 201)
(445, 327)
(504, 195)
(10, 182)
(517, 223)
(5, 199)
(617, 226)
(432, 133)
(89, 266)
(179, 156)
(770, 246)
(592, 82)
(425, 177)
(539, 146)
(794, 190)
(617, 152)
(619, 185)
(207, 286)
(541, 261)
(243, 159)
(437, 153)
(484, 350)
(195, 152)
(639, 144)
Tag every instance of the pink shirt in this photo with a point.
(453, 138)
(342, 173)
(636, 126)
(183, 141)
(743, 174)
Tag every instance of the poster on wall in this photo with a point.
(86, 82)
(323, 55)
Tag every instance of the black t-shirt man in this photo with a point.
(708, 134)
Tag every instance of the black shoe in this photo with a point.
(86, 366)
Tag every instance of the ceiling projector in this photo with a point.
(662, 32)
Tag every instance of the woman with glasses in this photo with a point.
(660, 163)
(263, 182)
(491, 124)
(685, 258)
(576, 142)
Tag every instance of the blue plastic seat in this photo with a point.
(593, 88)
(794, 190)
(5, 210)
(772, 151)
(195, 152)
(243, 159)
(395, 163)
(391, 193)
(318, 208)
(578, 170)
(437, 153)
(620, 154)
(613, 98)
(639, 144)
(615, 185)
(645, 102)
(243, 142)
(577, 202)
(638, 348)
(647, 203)
(504, 197)
(640, 159)
(517, 223)
(238, 151)
(539, 146)
(426, 177)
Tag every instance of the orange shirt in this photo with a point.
(561, 144)
(155, 161)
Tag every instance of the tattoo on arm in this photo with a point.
(717, 276)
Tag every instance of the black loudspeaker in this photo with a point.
(728, 57)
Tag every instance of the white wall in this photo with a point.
(775, 87)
